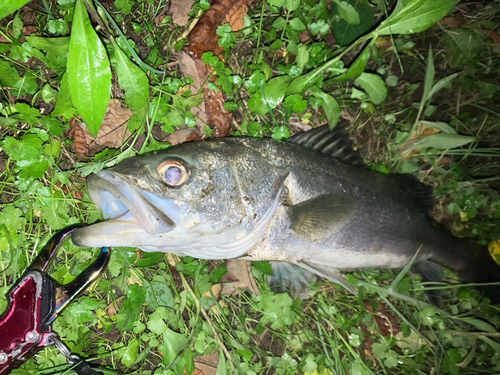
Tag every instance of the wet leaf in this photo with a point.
(10, 6)
(89, 73)
(345, 32)
(130, 309)
(330, 106)
(347, 12)
(374, 86)
(159, 294)
(443, 141)
(129, 355)
(135, 83)
(462, 46)
(415, 16)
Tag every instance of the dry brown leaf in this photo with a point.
(386, 322)
(27, 31)
(182, 135)
(179, 10)
(204, 36)
(207, 364)
(450, 22)
(78, 132)
(113, 131)
(242, 270)
(195, 372)
(112, 134)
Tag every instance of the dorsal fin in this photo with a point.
(421, 193)
(334, 143)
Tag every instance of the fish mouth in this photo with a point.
(130, 213)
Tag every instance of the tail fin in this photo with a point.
(474, 264)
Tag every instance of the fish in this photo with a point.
(310, 206)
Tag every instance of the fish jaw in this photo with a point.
(132, 215)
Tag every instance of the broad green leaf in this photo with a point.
(443, 141)
(303, 56)
(347, 12)
(89, 74)
(134, 82)
(357, 68)
(330, 106)
(10, 6)
(442, 126)
(416, 16)
(130, 310)
(346, 33)
(374, 86)
(221, 367)
(159, 294)
(9, 77)
(64, 104)
(57, 46)
(275, 89)
(291, 5)
(462, 46)
(129, 355)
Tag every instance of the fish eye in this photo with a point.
(173, 173)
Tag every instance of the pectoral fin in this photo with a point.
(329, 273)
(318, 218)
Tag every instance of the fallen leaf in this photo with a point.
(179, 10)
(386, 322)
(27, 31)
(493, 35)
(77, 131)
(114, 307)
(113, 131)
(449, 21)
(182, 136)
(242, 270)
(207, 364)
(204, 36)
(112, 134)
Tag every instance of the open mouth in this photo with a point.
(131, 211)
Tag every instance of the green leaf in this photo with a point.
(174, 343)
(221, 366)
(442, 141)
(479, 324)
(302, 56)
(275, 89)
(129, 355)
(330, 106)
(89, 74)
(156, 324)
(346, 33)
(264, 267)
(297, 25)
(319, 27)
(462, 46)
(280, 132)
(276, 309)
(357, 68)
(159, 294)
(10, 6)
(291, 5)
(416, 16)
(64, 104)
(130, 310)
(374, 86)
(83, 310)
(9, 77)
(347, 12)
(134, 82)
(57, 46)
(443, 126)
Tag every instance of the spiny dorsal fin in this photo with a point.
(421, 193)
(334, 143)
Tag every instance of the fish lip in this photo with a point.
(149, 218)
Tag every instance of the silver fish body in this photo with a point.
(260, 199)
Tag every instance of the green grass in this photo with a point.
(150, 314)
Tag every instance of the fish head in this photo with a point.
(208, 199)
